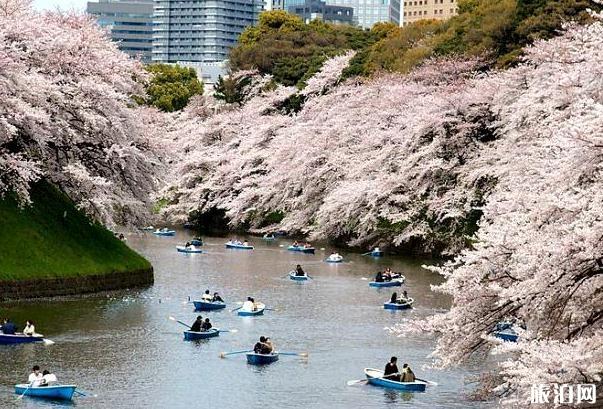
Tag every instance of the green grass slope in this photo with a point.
(38, 242)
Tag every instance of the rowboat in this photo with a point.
(294, 277)
(164, 232)
(6, 339)
(261, 359)
(201, 305)
(507, 335)
(190, 249)
(246, 313)
(148, 228)
(268, 237)
(334, 258)
(376, 253)
(398, 306)
(375, 377)
(232, 245)
(197, 242)
(194, 335)
(302, 249)
(64, 392)
(396, 282)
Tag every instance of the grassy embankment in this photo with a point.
(38, 242)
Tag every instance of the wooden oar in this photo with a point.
(366, 254)
(234, 331)
(180, 322)
(86, 393)
(427, 382)
(25, 391)
(357, 381)
(236, 309)
(47, 341)
(302, 354)
(225, 354)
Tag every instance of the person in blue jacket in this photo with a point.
(8, 327)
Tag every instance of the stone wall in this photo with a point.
(23, 289)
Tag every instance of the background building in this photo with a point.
(319, 10)
(416, 10)
(200, 30)
(130, 23)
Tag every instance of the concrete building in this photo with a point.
(416, 10)
(130, 24)
(366, 12)
(200, 30)
(208, 72)
(319, 10)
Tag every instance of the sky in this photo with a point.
(79, 5)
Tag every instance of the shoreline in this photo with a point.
(30, 289)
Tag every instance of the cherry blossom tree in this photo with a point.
(66, 114)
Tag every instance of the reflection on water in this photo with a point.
(122, 346)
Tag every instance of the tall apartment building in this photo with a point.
(129, 22)
(416, 10)
(200, 30)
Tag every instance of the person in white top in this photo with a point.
(207, 296)
(48, 379)
(248, 305)
(29, 329)
(35, 376)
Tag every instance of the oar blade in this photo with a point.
(47, 341)
(357, 382)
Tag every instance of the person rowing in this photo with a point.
(379, 277)
(217, 298)
(249, 305)
(299, 272)
(391, 371)
(394, 298)
(35, 376)
(206, 296)
(196, 327)
(262, 347)
(8, 327)
(48, 379)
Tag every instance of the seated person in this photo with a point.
(217, 298)
(379, 277)
(206, 296)
(196, 327)
(261, 347)
(8, 327)
(270, 345)
(29, 329)
(248, 305)
(206, 326)
(299, 272)
(404, 297)
(48, 379)
(35, 376)
(394, 298)
(407, 374)
(391, 370)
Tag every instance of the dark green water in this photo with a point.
(123, 348)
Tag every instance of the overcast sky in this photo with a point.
(79, 5)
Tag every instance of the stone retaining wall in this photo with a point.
(52, 287)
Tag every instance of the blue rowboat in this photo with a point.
(268, 238)
(6, 339)
(184, 249)
(396, 282)
(259, 311)
(375, 377)
(294, 277)
(208, 305)
(231, 245)
(302, 249)
(64, 392)
(197, 242)
(164, 232)
(507, 335)
(194, 335)
(397, 306)
(376, 253)
(261, 359)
